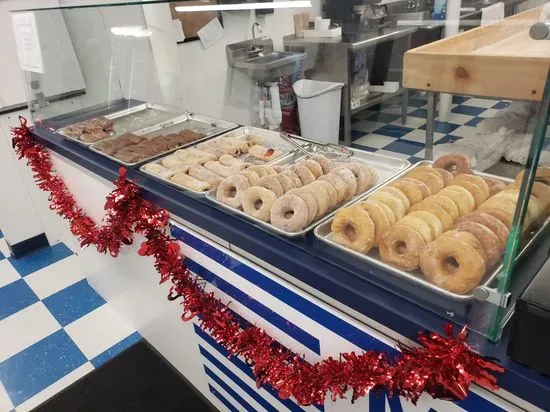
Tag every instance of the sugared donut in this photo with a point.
(363, 175)
(272, 183)
(260, 170)
(436, 227)
(432, 207)
(401, 246)
(475, 185)
(332, 193)
(446, 175)
(418, 224)
(542, 175)
(453, 265)
(295, 179)
(253, 177)
(311, 203)
(349, 179)
(462, 198)
(433, 180)
(353, 228)
(455, 163)
(397, 193)
(491, 222)
(394, 203)
(289, 213)
(410, 189)
(257, 202)
(321, 197)
(323, 161)
(488, 239)
(305, 175)
(314, 167)
(286, 182)
(231, 189)
(495, 185)
(379, 218)
(338, 183)
(271, 170)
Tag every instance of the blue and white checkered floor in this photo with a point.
(54, 328)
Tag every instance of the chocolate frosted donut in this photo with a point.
(289, 213)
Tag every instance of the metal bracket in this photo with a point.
(485, 294)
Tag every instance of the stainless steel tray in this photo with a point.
(385, 166)
(323, 233)
(132, 119)
(269, 137)
(202, 124)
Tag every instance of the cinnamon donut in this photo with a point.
(446, 203)
(253, 177)
(401, 246)
(475, 185)
(411, 190)
(286, 182)
(321, 197)
(542, 175)
(394, 203)
(257, 202)
(462, 198)
(260, 170)
(305, 175)
(289, 213)
(424, 188)
(418, 224)
(311, 203)
(353, 228)
(379, 218)
(332, 193)
(272, 183)
(314, 167)
(446, 175)
(338, 183)
(295, 179)
(349, 179)
(397, 193)
(453, 265)
(495, 185)
(488, 239)
(434, 181)
(436, 227)
(492, 223)
(231, 189)
(323, 161)
(455, 163)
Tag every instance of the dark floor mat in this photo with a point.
(138, 380)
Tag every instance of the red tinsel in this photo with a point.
(444, 367)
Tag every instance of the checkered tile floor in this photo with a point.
(382, 131)
(54, 328)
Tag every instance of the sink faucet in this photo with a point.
(255, 48)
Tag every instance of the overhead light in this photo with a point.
(245, 6)
(132, 31)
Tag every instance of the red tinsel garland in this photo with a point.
(444, 367)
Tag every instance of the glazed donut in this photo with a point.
(363, 176)
(434, 180)
(253, 177)
(338, 183)
(457, 164)
(305, 175)
(501, 214)
(397, 193)
(321, 197)
(424, 188)
(492, 223)
(394, 203)
(311, 203)
(488, 239)
(468, 239)
(542, 175)
(432, 207)
(349, 179)
(231, 189)
(436, 227)
(411, 190)
(446, 203)
(429, 169)
(453, 265)
(314, 167)
(387, 210)
(462, 198)
(379, 218)
(446, 175)
(495, 185)
(257, 202)
(260, 170)
(323, 162)
(418, 224)
(331, 191)
(289, 213)
(295, 179)
(475, 185)
(401, 246)
(272, 183)
(286, 182)
(353, 228)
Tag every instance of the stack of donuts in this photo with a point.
(442, 219)
(292, 198)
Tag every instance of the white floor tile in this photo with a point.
(25, 328)
(465, 131)
(458, 118)
(487, 103)
(55, 277)
(54, 388)
(367, 126)
(4, 247)
(375, 140)
(6, 404)
(8, 274)
(394, 154)
(419, 136)
(489, 113)
(98, 331)
(412, 121)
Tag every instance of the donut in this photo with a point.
(394, 203)
(253, 177)
(224, 171)
(492, 223)
(314, 167)
(349, 179)
(542, 175)
(379, 218)
(432, 207)
(278, 169)
(429, 169)
(453, 265)
(295, 179)
(323, 162)
(311, 203)
(436, 227)
(272, 183)
(411, 190)
(446, 203)
(455, 163)
(257, 202)
(418, 224)
(397, 193)
(271, 170)
(501, 214)
(289, 213)
(231, 189)
(434, 181)
(542, 192)
(488, 239)
(338, 183)
(401, 246)
(462, 198)
(424, 188)
(305, 175)
(332, 193)
(495, 185)
(286, 182)
(475, 185)
(466, 238)
(446, 175)
(321, 197)
(363, 176)
(260, 170)
(353, 228)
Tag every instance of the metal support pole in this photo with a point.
(430, 126)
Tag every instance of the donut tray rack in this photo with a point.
(268, 137)
(125, 119)
(324, 234)
(386, 167)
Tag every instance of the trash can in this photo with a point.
(319, 109)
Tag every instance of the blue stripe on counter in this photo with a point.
(228, 389)
(253, 393)
(246, 369)
(222, 399)
(309, 341)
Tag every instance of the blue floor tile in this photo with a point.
(415, 160)
(116, 349)
(73, 302)
(40, 258)
(468, 110)
(417, 102)
(501, 105)
(422, 113)
(37, 367)
(442, 127)
(459, 99)
(2, 257)
(365, 148)
(448, 139)
(15, 297)
(356, 134)
(393, 130)
(405, 147)
(382, 117)
(1, 234)
(473, 122)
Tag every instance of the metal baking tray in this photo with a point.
(205, 125)
(270, 138)
(323, 232)
(385, 166)
(132, 119)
